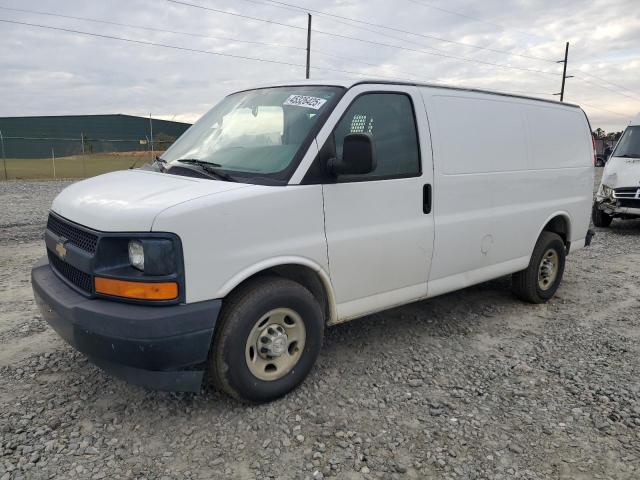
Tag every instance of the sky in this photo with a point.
(494, 44)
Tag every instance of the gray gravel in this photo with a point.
(470, 385)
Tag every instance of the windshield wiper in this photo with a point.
(209, 167)
(626, 155)
(197, 161)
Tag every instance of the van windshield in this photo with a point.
(629, 143)
(255, 133)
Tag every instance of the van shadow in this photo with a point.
(452, 314)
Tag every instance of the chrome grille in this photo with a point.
(627, 192)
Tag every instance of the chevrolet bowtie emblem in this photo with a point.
(61, 250)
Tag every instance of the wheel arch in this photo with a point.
(299, 269)
(560, 223)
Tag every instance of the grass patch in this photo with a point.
(79, 166)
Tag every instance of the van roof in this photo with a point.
(348, 83)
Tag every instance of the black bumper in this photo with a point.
(158, 347)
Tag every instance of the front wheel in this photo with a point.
(600, 218)
(539, 282)
(268, 339)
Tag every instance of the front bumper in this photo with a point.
(157, 347)
(612, 208)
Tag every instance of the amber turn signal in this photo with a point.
(137, 290)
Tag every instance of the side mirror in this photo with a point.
(358, 156)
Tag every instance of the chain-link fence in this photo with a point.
(82, 157)
(74, 158)
(43, 147)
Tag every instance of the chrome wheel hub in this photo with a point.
(548, 269)
(272, 341)
(275, 344)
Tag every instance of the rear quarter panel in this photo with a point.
(503, 166)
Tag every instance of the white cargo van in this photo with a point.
(619, 192)
(293, 207)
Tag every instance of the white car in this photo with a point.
(290, 208)
(619, 192)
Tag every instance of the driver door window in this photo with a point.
(389, 119)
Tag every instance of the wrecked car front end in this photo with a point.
(619, 192)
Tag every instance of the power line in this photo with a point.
(516, 30)
(360, 27)
(162, 30)
(186, 49)
(155, 44)
(606, 81)
(340, 57)
(606, 88)
(431, 50)
(151, 29)
(605, 110)
(177, 32)
(174, 47)
(291, 7)
(408, 32)
(371, 42)
(475, 19)
(580, 77)
(193, 5)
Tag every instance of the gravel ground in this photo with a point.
(470, 385)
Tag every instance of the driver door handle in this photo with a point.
(426, 198)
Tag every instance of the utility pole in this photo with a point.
(84, 161)
(53, 160)
(151, 132)
(4, 159)
(308, 44)
(564, 71)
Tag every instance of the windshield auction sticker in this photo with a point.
(305, 101)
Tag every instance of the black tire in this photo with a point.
(600, 218)
(240, 312)
(525, 284)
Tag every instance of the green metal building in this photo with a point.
(38, 137)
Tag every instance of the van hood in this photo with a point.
(130, 200)
(621, 172)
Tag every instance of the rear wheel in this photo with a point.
(268, 339)
(539, 282)
(600, 218)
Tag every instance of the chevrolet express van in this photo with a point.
(619, 192)
(290, 208)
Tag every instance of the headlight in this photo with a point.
(136, 254)
(145, 266)
(152, 256)
(607, 191)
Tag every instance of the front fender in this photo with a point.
(267, 264)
